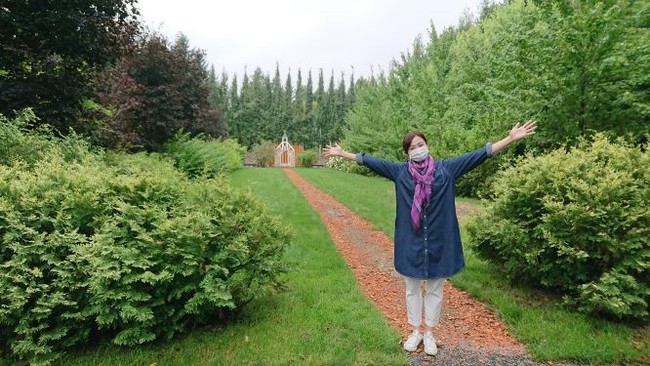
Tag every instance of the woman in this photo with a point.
(427, 247)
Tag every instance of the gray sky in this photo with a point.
(339, 35)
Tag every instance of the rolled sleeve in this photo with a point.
(488, 149)
(359, 158)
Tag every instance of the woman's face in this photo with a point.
(416, 143)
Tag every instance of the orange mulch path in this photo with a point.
(369, 253)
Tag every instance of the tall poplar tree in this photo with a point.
(299, 112)
(288, 100)
(308, 127)
(278, 104)
(231, 118)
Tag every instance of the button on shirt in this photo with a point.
(436, 250)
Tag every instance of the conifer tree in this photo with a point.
(234, 105)
(299, 111)
(308, 125)
(342, 107)
(320, 90)
(309, 93)
(352, 94)
(278, 106)
(288, 99)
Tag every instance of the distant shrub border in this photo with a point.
(124, 248)
(264, 154)
(575, 222)
(206, 158)
(307, 158)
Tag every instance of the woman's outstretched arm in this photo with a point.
(385, 168)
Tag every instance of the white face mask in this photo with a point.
(419, 154)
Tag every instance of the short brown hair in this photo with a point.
(406, 143)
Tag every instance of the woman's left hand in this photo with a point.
(519, 132)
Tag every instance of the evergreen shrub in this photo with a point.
(125, 249)
(576, 222)
(21, 142)
(307, 158)
(206, 158)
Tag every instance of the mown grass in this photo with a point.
(549, 331)
(321, 318)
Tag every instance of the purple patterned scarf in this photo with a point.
(422, 174)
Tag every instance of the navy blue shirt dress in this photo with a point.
(436, 250)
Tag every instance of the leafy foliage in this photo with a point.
(264, 154)
(307, 158)
(22, 144)
(578, 69)
(344, 165)
(206, 158)
(124, 248)
(49, 52)
(581, 226)
(155, 92)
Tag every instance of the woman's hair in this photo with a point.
(406, 143)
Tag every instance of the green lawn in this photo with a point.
(321, 318)
(550, 332)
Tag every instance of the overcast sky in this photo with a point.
(339, 35)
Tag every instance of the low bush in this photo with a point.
(307, 158)
(576, 222)
(21, 143)
(348, 166)
(125, 249)
(206, 158)
(264, 154)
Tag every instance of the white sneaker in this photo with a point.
(430, 347)
(413, 341)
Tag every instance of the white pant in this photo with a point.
(432, 300)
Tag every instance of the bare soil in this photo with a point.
(465, 322)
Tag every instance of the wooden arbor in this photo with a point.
(285, 154)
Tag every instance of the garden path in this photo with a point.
(466, 324)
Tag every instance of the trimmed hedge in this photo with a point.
(126, 249)
(576, 222)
